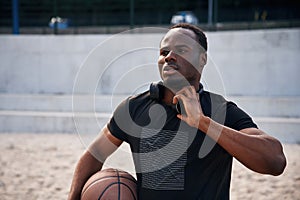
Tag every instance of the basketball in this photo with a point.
(110, 184)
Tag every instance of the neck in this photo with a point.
(168, 96)
(169, 93)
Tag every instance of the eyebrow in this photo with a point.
(177, 46)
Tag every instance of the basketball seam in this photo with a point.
(130, 190)
(119, 186)
(130, 179)
(119, 183)
(99, 198)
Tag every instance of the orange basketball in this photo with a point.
(110, 184)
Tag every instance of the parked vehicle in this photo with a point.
(184, 17)
(62, 23)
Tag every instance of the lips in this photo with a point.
(169, 70)
(170, 67)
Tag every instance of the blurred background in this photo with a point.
(111, 16)
(66, 64)
(55, 53)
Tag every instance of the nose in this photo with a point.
(171, 56)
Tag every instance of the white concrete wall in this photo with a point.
(250, 63)
(260, 62)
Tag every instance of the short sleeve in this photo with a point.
(115, 130)
(118, 120)
(237, 119)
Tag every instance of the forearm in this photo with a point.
(258, 151)
(87, 166)
(92, 160)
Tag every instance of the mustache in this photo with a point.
(172, 65)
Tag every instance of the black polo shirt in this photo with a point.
(173, 160)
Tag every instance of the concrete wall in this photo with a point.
(250, 63)
(261, 62)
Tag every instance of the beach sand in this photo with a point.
(40, 166)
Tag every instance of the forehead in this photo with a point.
(179, 36)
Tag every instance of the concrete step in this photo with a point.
(52, 122)
(255, 106)
(59, 103)
(285, 129)
(85, 114)
(269, 106)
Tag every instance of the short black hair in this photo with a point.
(201, 37)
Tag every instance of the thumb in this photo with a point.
(175, 100)
(180, 116)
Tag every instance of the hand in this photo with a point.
(189, 101)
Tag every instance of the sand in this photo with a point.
(40, 166)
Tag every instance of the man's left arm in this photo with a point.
(257, 150)
(252, 147)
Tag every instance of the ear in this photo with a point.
(203, 59)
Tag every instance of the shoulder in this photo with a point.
(212, 102)
(140, 97)
(213, 97)
(217, 100)
(122, 121)
(227, 112)
(133, 102)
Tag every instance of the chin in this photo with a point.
(175, 83)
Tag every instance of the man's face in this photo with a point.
(179, 60)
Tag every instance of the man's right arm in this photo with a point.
(92, 160)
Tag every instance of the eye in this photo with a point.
(181, 51)
(164, 52)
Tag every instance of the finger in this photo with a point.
(184, 91)
(198, 98)
(192, 90)
(189, 91)
(175, 99)
(179, 97)
(179, 116)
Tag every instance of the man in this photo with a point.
(183, 139)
